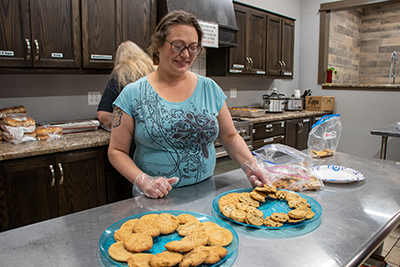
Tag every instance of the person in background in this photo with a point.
(175, 116)
(131, 63)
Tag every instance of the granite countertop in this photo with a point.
(70, 141)
(287, 115)
(100, 137)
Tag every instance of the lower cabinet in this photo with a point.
(268, 133)
(296, 132)
(40, 188)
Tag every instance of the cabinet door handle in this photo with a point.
(62, 174)
(280, 65)
(251, 62)
(268, 130)
(301, 127)
(284, 65)
(37, 49)
(248, 63)
(28, 48)
(53, 176)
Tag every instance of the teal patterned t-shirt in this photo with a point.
(174, 139)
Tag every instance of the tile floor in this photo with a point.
(391, 247)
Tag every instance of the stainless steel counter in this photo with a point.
(355, 219)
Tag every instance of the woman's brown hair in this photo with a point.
(178, 17)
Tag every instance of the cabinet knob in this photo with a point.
(53, 176)
(37, 49)
(62, 174)
(28, 49)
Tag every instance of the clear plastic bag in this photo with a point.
(288, 167)
(324, 136)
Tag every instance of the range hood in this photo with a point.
(218, 11)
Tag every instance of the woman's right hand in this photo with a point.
(154, 187)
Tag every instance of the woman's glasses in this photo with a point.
(178, 47)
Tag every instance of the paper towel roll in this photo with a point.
(297, 93)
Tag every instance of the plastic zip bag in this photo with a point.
(288, 167)
(324, 136)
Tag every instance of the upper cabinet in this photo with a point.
(107, 23)
(41, 33)
(249, 56)
(71, 34)
(265, 46)
(280, 46)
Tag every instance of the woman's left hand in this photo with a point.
(256, 176)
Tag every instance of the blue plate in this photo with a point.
(272, 205)
(107, 238)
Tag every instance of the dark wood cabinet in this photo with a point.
(44, 187)
(265, 46)
(107, 23)
(268, 133)
(249, 56)
(42, 34)
(72, 34)
(280, 46)
(296, 132)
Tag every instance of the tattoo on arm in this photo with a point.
(116, 118)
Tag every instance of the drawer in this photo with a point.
(268, 129)
(280, 139)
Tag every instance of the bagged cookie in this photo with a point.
(324, 136)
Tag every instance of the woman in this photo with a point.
(131, 63)
(175, 116)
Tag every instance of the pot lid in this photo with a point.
(274, 95)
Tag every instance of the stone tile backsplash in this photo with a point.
(361, 42)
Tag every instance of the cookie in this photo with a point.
(187, 228)
(148, 226)
(247, 199)
(167, 223)
(238, 215)
(257, 196)
(241, 206)
(227, 209)
(271, 223)
(297, 214)
(139, 260)
(227, 199)
(185, 218)
(118, 252)
(257, 212)
(280, 194)
(194, 257)
(138, 242)
(215, 254)
(279, 217)
(309, 214)
(220, 237)
(250, 209)
(254, 219)
(165, 259)
(129, 224)
(122, 233)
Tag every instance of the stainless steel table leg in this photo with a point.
(384, 147)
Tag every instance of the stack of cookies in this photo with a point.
(201, 243)
(244, 207)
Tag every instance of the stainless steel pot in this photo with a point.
(275, 102)
(294, 104)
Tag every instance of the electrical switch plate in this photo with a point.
(233, 93)
(94, 98)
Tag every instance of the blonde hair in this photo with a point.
(131, 64)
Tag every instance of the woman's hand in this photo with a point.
(154, 187)
(256, 176)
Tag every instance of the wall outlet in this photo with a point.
(233, 93)
(94, 98)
